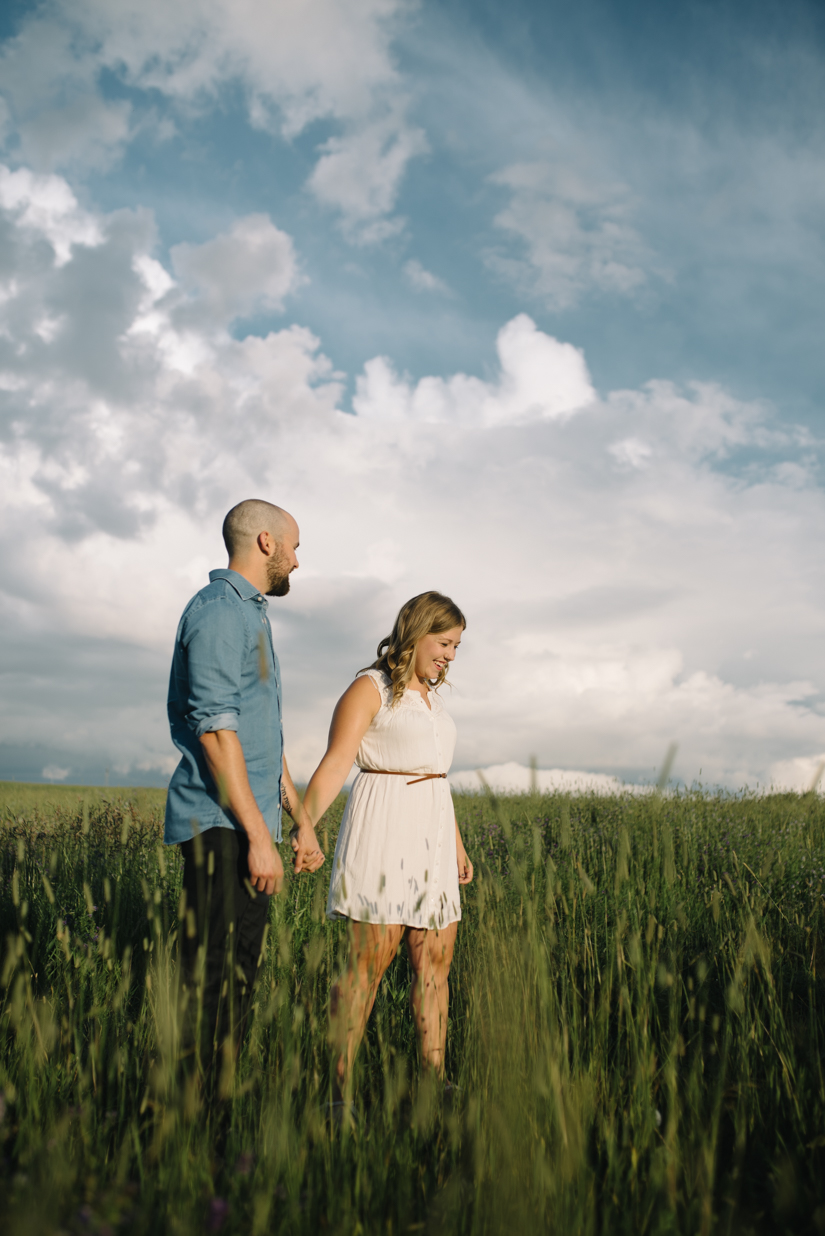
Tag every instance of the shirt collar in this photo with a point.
(240, 583)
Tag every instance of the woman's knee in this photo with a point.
(431, 954)
(373, 953)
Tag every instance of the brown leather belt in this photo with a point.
(386, 772)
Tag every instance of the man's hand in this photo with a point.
(308, 854)
(225, 759)
(266, 871)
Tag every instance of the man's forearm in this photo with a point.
(225, 758)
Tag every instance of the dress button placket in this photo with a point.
(438, 768)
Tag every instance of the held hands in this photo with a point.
(308, 854)
(266, 871)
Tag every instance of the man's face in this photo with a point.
(277, 573)
(281, 563)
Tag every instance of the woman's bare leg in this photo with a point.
(431, 955)
(372, 948)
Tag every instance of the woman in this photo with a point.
(399, 858)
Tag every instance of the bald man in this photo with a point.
(227, 792)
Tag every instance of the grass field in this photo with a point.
(28, 797)
(637, 1030)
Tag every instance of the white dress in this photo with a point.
(395, 861)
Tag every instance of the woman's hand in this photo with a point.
(308, 854)
(465, 867)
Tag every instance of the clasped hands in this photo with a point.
(308, 855)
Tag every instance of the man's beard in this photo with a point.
(277, 575)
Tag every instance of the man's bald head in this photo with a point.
(246, 521)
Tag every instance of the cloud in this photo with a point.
(296, 61)
(360, 174)
(540, 379)
(45, 206)
(576, 235)
(635, 568)
(253, 267)
(87, 130)
(52, 773)
(801, 774)
(515, 778)
(632, 452)
(299, 60)
(424, 280)
(106, 363)
(54, 108)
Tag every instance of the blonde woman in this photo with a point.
(400, 859)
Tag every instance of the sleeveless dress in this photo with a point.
(395, 860)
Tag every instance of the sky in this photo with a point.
(522, 302)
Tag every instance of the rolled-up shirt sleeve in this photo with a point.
(214, 637)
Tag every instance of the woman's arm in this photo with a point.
(350, 722)
(465, 867)
(308, 854)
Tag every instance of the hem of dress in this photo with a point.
(339, 915)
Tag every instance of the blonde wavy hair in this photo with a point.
(430, 613)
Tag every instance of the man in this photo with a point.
(226, 794)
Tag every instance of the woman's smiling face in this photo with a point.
(435, 652)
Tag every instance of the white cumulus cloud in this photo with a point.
(628, 580)
(540, 379)
(801, 774)
(513, 778)
(45, 205)
(253, 266)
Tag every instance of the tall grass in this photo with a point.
(636, 1030)
(34, 798)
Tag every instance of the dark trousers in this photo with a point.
(221, 938)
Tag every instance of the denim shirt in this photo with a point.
(225, 676)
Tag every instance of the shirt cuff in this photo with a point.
(223, 721)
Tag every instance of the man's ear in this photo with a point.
(266, 543)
